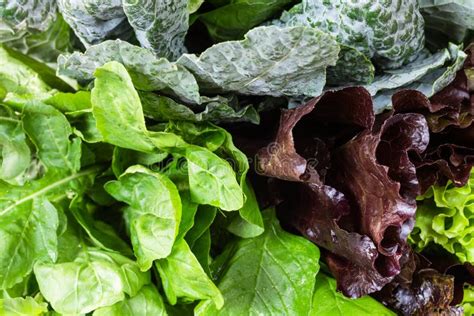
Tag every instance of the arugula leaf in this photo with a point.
(328, 302)
(147, 302)
(94, 279)
(269, 61)
(154, 213)
(20, 306)
(232, 20)
(265, 265)
(159, 25)
(148, 72)
(184, 278)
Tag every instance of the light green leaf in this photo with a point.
(28, 234)
(70, 102)
(50, 131)
(94, 22)
(272, 274)
(201, 250)
(147, 302)
(117, 109)
(15, 155)
(160, 26)
(203, 220)
(154, 213)
(232, 20)
(20, 306)
(249, 223)
(183, 277)
(123, 158)
(193, 5)
(269, 61)
(212, 180)
(328, 302)
(148, 72)
(95, 279)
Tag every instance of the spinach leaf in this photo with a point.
(328, 302)
(184, 278)
(94, 279)
(154, 213)
(267, 265)
(147, 302)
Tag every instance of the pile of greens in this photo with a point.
(236, 157)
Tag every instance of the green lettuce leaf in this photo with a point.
(159, 25)
(444, 217)
(269, 61)
(259, 274)
(328, 302)
(148, 72)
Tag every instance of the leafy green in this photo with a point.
(94, 279)
(148, 72)
(20, 306)
(444, 217)
(19, 17)
(147, 302)
(154, 213)
(273, 273)
(269, 61)
(159, 25)
(183, 277)
(468, 300)
(232, 20)
(389, 32)
(328, 302)
(94, 22)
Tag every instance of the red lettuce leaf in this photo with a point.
(362, 211)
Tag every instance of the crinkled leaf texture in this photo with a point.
(94, 22)
(419, 289)
(444, 217)
(349, 185)
(159, 25)
(148, 72)
(450, 155)
(273, 273)
(269, 61)
(21, 17)
(389, 32)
